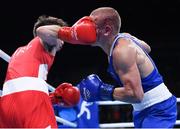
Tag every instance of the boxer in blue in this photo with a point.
(139, 81)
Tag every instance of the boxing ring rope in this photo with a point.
(6, 57)
(122, 124)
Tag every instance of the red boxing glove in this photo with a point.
(65, 95)
(82, 32)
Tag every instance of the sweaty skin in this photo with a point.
(131, 64)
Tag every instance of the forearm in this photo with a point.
(48, 34)
(93, 89)
(125, 95)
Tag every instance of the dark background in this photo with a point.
(155, 21)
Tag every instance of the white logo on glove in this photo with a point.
(86, 93)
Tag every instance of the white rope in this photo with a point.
(0, 93)
(111, 103)
(118, 102)
(51, 88)
(177, 122)
(4, 56)
(65, 122)
(178, 99)
(125, 124)
(113, 125)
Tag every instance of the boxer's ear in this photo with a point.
(107, 30)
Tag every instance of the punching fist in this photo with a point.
(65, 95)
(93, 89)
(82, 32)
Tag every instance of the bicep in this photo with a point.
(126, 67)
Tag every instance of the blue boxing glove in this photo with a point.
(93, 89)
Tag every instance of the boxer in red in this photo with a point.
(25, 101)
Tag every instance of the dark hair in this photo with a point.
(47, 20)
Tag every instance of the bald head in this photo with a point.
(108, 15)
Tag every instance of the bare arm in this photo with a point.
(48, 34)
(124, 60)
(146, 46)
